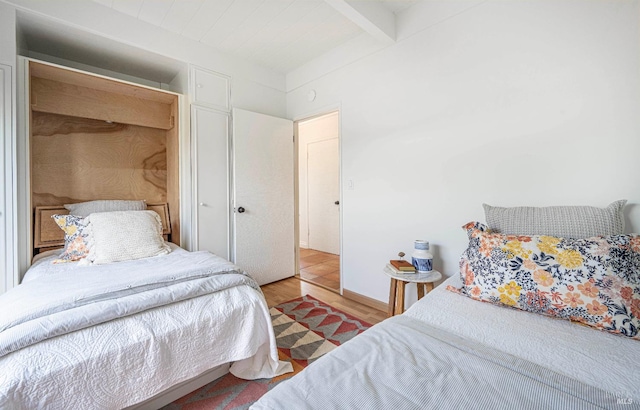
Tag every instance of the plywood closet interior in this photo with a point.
(96, 138)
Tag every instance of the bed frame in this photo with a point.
(179, 390)
(48, 236)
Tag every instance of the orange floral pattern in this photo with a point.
(635, 307)
(542, 277)
(596, 308)
(588, 289)
(595, 281)
(573, 299)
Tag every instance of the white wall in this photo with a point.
(93, 69)
(504, 102)
(316, 129)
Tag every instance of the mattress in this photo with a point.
(130, 359)
(448, 351)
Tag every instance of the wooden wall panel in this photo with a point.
(173, 176)
(95, 138)
(77, 159)
(67, 99)
(67, 76)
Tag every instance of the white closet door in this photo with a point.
(263, 195)
(323, 187)
(210, 130)
(6, 278)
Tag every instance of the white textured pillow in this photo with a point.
(559, 221)
(124, 235)
(84, 209)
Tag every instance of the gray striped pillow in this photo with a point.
(559, 221)
(85, 209)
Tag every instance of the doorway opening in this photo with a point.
(318, 169)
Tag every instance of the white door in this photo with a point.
(6, 277)
(323, 187)
(210, 132)
(263, 221)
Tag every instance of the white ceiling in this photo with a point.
(279, 34)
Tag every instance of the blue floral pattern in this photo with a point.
(595, 281)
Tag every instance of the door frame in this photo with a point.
(296, 191)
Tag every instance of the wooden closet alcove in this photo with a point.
(96, 138)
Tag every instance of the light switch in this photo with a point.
(350, 185)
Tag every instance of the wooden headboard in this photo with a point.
(48, 235)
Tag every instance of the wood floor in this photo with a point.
(292, 288)
(320, 268)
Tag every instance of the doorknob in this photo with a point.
(337, 202)
(240, 210)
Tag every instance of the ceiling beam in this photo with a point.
(371, 16)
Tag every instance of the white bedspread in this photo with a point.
(595, 357)
(58, 304)
(127, 360)
(449, 351)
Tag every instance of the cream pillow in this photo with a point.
(124, 235)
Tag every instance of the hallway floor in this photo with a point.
(320, 268)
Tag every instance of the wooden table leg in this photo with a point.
(429, 286)
(392, 297)
(400, 300)
(420, 287)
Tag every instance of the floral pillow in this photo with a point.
(595, 281)
(75, 237)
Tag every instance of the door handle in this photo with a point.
(337, 202)
(240, 210)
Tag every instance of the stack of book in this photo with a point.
(401, 266)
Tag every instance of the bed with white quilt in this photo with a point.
(532, 321)
(115, 335)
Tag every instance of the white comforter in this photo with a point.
(125, 361)
(443, 352)
(592, 356)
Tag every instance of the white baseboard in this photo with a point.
(304, 245)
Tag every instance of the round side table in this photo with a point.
(400, 280)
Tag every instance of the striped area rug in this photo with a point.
(306, 328)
